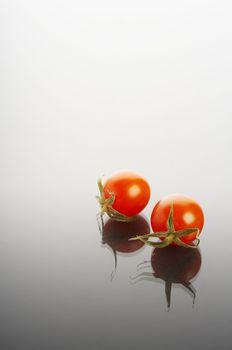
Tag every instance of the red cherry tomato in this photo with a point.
(187, 214)
(131, 191)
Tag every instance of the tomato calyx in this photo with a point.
(106, 205)
(169, 236)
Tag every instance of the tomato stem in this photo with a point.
(170, 236)
(106, 206)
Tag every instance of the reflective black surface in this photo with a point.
(58, 290)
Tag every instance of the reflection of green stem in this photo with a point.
(113, 250)
(168, 290)
(149, 276)
(106, 205)
(170, 236)
(115, 264)
(191, 289)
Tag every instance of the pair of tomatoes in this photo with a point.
(176, 219)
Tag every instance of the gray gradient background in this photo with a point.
(86, 88)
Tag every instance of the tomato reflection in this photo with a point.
(174, 265)
(116, 235)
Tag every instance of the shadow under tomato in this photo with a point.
(173, 265)
(116, 234)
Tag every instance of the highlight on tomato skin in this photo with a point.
(187, 213)
(123, 195)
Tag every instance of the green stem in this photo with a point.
(168, 240)
(157, 234)
(106, 205)
(171, 235)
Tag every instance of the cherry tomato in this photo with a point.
(131, 192)
(187, 214)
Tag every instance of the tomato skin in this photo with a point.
(116, 234)
(132, 192)
(187, 214)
